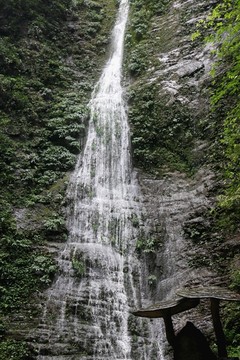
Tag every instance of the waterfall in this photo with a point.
(86, 315)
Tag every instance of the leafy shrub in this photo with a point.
(22, 271)
(57, 158)
(160, 135)
(43, 113)
(78, 267)
(15, 350)
(44, 267)
(147, 245)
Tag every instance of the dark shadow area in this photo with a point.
(191, 344)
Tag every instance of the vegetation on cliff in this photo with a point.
(220, 232)
(165, 131)
(226, 105)
(50, 53)
(50, 56)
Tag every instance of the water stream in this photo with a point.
(86, 315)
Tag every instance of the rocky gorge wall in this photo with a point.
(170, 120)
(166, 81)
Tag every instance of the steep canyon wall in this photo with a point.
(166, 83)
(171, 133)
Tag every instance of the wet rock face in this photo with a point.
(169, 105)
(178, 75)
(184, 65)
(169, 203)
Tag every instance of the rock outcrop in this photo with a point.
(178, 187)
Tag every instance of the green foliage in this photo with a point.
(234, 351)
(50, 56)
(54, 223)
(137, 39)
(147, 245)
(160, 135)
(43, 97)
(225, 99)
(57, 157)
(15, 350)
(163, 135)
(137, 62)
(231, 316)
(45, 18)
(235, 273)
(44, 267)
(224, 25)
(78, 267)
(22, 271)
(7, 223)
(138, 42)
(235, 284)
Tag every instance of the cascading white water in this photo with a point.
(88, 306)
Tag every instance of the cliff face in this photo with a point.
(169, 117)
(173, 137)
(47, 79)
(168, 88)
(171, 133)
